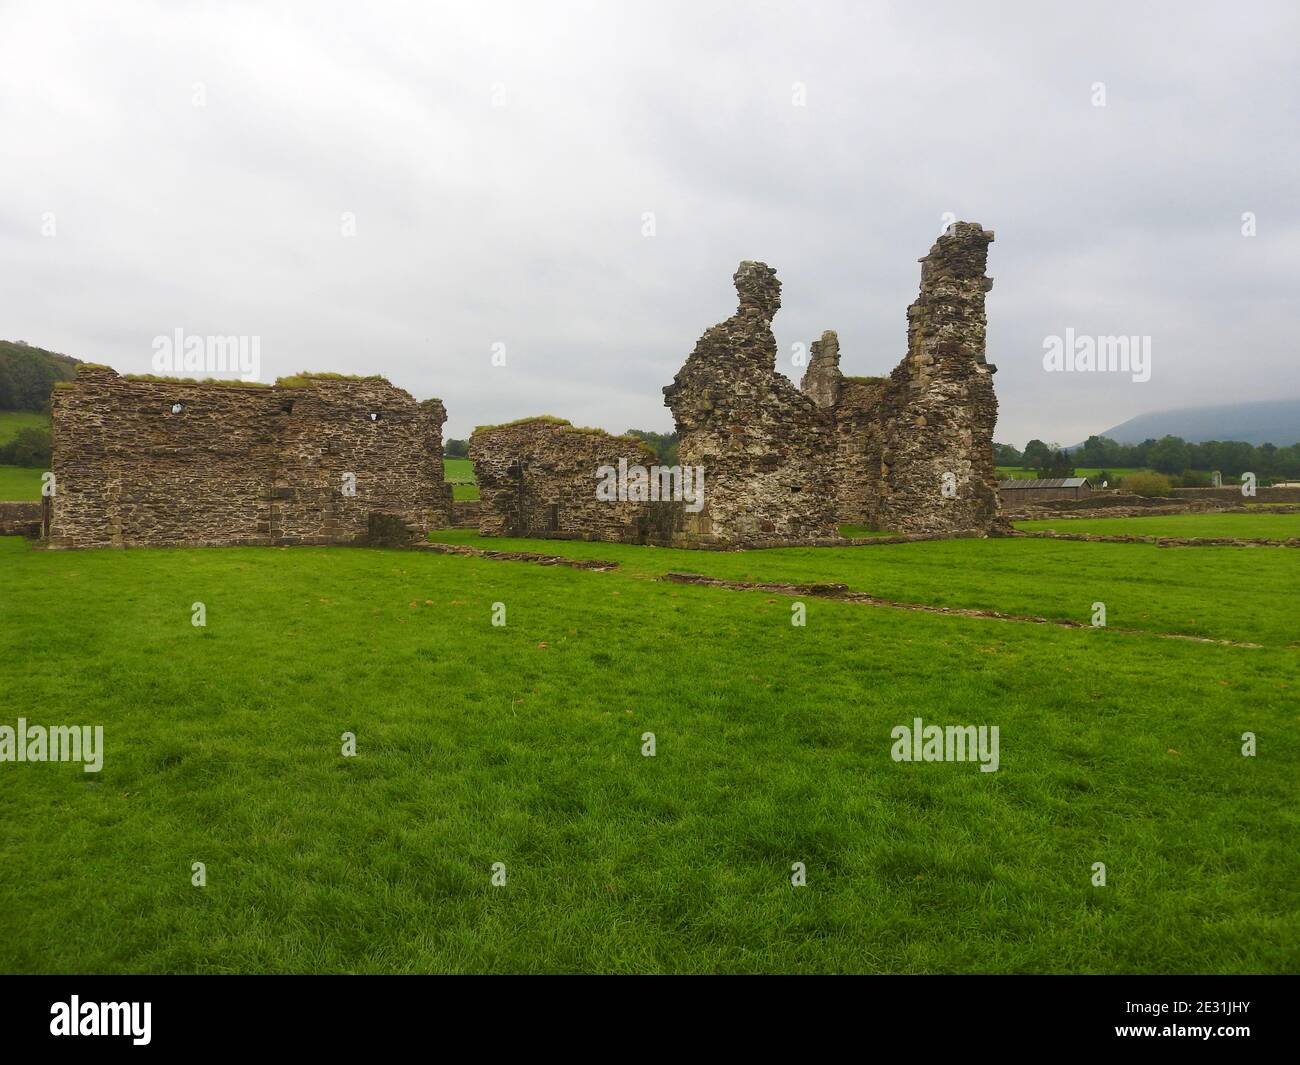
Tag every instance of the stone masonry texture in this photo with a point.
(156, 462)
(537, 477)
(765, 447)
(914, 451)
(151, 461)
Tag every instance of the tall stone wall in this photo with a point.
(538, 477)
(765, 447)
(157, 462)
(914, 452)
(939, 408)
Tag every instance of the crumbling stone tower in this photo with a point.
(938, 409)
(913, 452)
(763, 444)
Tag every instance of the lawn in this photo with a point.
(1114, 472)
(1242, 526)
(522, 745)
(1203, 591)
(13, 421)
(460, 472)
(20, 482)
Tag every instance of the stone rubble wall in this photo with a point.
(1233, 494)
(787, 464)
(854, 406)
(939, 409)
(538, 478)
(240, 465)
(20, 518)
(766, 448)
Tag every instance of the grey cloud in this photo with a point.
(521, 224)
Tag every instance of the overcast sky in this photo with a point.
(197, 161)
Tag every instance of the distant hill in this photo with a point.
(28, 374)
(1273, 421)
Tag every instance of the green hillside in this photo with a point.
(28, 375)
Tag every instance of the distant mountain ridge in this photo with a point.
(1272, 421)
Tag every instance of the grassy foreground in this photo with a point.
(1224, 593)
(522, 745)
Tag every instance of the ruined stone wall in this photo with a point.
(20, 518)
(538, 477)
(853, 404)
(240, 465)
(897, 438)
(766, 448)
(939, 408)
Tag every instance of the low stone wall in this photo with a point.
(1159, 541)
(1233, 495)
(466, 513)
(1114, 505)
(20, 519)
(538, 478)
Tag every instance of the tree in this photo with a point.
(664, 444)
(457, 449)
(1006, 455)
(1037, 454)
(1058, 464)
(1169, 455)
(30, 447)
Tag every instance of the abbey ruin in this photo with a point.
(310, 460)
(911, 453)
(322, 459)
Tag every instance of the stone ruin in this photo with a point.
(316, 459)
(537, 478)
(914, 451)
(908, 453)
(154, 461)
(764, 446)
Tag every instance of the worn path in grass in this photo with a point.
(1219, 593)
(522, 744)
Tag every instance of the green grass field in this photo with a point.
(1242, 526)
(1211, 592)
(460, 472)
(12, 421)
(1116, 472)
(522, 745)
(20, 483)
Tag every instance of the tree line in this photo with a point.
(1170, 454)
